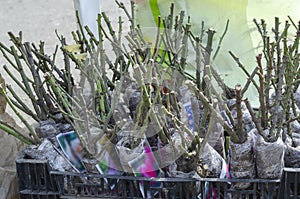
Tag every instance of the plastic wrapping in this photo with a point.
(134, 102)
(10, 148)
(198, 112)
(166, 155)
(108, 162)
(292, 157)
(213, 159)
(296, 139)
(126, 154)
(185, 163)
(288, 141)
(145, 165)
(187, 116)
(297, 97)
(216, 138)
(93, 145)
(46, 151)
(90, 164)
(295, 126)
(242, 164)
(46, 129)
(216, 135)
(50, 128)
(269, 158)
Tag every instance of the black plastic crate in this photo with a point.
(34, 179)
(99, 186)
(231, 188)
(128, 187)
(291, 183)
(37, 181)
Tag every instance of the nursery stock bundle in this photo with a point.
(158, 108)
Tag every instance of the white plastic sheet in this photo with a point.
(10, 148)
(88, 12)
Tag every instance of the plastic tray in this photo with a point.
(34, 180)
(99, 186)
(291, 183)
(38, 181)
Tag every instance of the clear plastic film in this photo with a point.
(292, 157)
(242, 164)
(213, 160)
(269, 158)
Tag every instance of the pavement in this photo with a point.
(38, 20)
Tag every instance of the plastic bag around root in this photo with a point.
(269, 158)
(213, 160)
(242, 164)
(292, 157)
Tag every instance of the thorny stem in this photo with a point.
(239, 127)
(12, 76)
(221, 40)
(211, 123)
(14, 132)
(207, 104)
(93, 39)
(114, 37)
(6, 56)
(203, 122)
(278, 98)
(21, 105)
(277, 45)
(156, 46)
(208, 48)
(176, 121)
(237, 60)
(28, 126)
(198, 63)
(270, 67)
(58, 93)
(249, 80)
(130, 17)
(184, 52)
(113, 104)
(263, 110)
(26, 82)
(37, 86)
(177, 28)
(120, 22)
(41, 56)
(255, 120)
(67, 72)
(82, 32)
(227, 90)
(220, 99)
